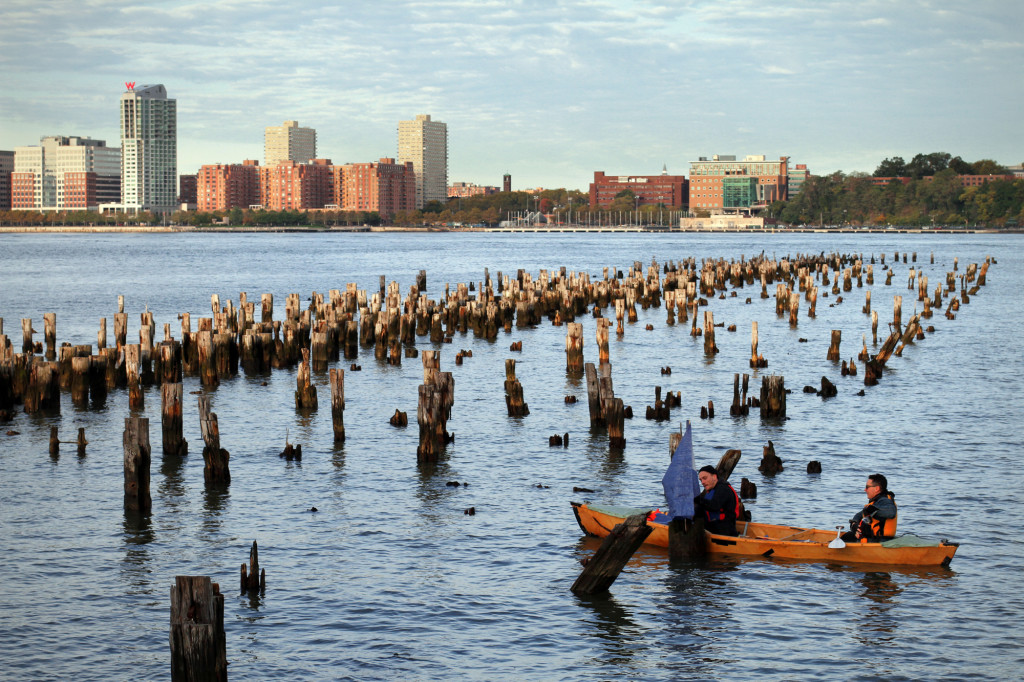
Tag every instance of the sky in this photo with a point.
(548, 91)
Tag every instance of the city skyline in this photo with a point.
(548, 94)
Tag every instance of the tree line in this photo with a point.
(937, 200)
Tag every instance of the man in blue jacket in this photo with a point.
(877, 520)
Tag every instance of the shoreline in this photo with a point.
(88, 229)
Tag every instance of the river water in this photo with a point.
(389, 579)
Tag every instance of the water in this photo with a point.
(390, 580)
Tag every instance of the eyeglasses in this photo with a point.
(868, 487)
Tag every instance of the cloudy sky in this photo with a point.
(547, 90)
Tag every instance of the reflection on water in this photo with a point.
(215, 498)
(137, 534)
(618, 632)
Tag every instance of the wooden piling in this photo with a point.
(136, 464)
(215, 458)
(773, 397)
(574, 347)
(833, 348)
(305, 392)
(337, 377)
(709, 334)
(197, 639)
(770, 462)
(612, 556)
(80, 381)
(254, 579)
(614, 416)
(756, 360)
(174, 443)
(50, 335)
(514, 402)
(136, 398)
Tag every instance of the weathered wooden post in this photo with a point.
(174, 442)
(215, 458)
(98, 378)
(27, 346)
(612, 556)
(305, 392)
(337, 377)
(773, 397)
(254, 579)
(574, 347)
(770, 462)
(514, 402)
(898, 314)
(614, 416)
(207, 359)
(833, 349)
(197, 639)
(709, 333)
(136, 464)
(80, 381)
(756, 360)
(50, 335)
(602, 340)
(136, 398)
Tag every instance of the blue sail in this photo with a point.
(680, 481)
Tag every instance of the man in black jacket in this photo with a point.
(718, 505)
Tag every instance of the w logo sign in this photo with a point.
(129, 85)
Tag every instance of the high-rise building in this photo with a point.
(65, 173)
(425, 144)
(149, 149)
(288, 142)
(6, 168)
(721, 183)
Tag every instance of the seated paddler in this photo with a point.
(718, 504)
(877, 520)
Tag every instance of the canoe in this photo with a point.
(778, 542)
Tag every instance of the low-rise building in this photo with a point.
(221, 187)
(667, 190)
(708, 181)
(65, 173)
(383, 186)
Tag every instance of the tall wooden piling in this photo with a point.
(197, 639)
(208, 375)
(254, 579)
(80, 381)
(514, 402)
(305, 392)
(710, 348)
(574, 347)
(50, 335)
(833, 348)
(756, 360)
(27, 346)
(215, 458)
(136, 464)
(337, 377)
(602, 340)
(98, 378)
(136, 398)
(174, 442)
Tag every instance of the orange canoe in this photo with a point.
(780, 542)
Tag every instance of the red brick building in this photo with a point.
(669, 190)
(291, 186)
(220, 186)
(385, 186)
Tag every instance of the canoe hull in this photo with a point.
(777, 542)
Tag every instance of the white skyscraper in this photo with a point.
(288, 142)
(149, 149)
(425, 143)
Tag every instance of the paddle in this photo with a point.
(838, 542)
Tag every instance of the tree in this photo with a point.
(986, 167)
(894, 167)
